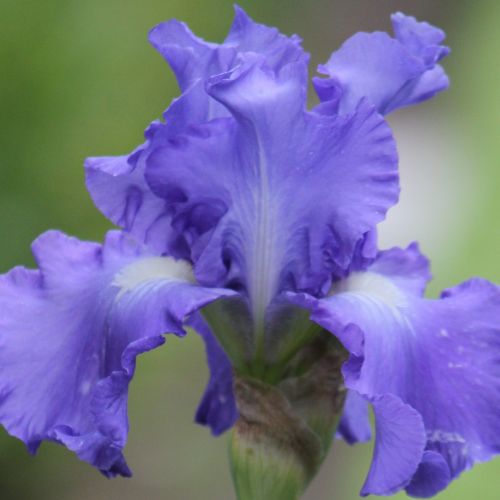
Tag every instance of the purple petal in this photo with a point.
(217, 408)
(192, 59)
(189, 56)
(118, 188)
(399, 445)
(354, 425)
(409, 269)
(117, 184)
(71, 331)
(439, 356)
(420, 38)
(249, 36)
(432, 476)
(389, 72)
(429, 84)
(251, 187)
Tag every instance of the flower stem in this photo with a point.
(272, 452)
(284, 430)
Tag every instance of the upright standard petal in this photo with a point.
(441, 357)
(389, 72)
(276, 197)
(117, 184)
(192, 58)
(70, 333)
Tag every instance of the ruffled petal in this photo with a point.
(251, 186)
(117, 184)
(118, 188)
(189, 56)
(389, 72)
(217, 408)
(192, 59)
(409, 269)
(399, 446)
(70, 333)
(420, 38)
(248, 36)
(441, 357)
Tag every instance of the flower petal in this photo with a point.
(420, 38)
(441, 357)
(191, 58)
(432, 476)
(118, 188)
(217, 408)
(117, 184)
(389, 72)
(399, 445)
(71, 331)
(251, 187)
(354, 426)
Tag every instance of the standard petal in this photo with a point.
(441, 357)
(389, 72)
(192, 59)
(249, 36)
(217, 408)
(189, 56)
(422, 39)
(279, 198)
(70, 333)
(117, 184)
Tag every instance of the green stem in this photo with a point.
(284, 431)
(273, 453)
(257, 476)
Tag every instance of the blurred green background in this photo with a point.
(79, 79)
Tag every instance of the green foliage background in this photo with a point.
(79, 79)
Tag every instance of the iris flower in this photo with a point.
(252, 220)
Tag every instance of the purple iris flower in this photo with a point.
(252, 220)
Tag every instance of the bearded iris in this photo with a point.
(253, 221)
